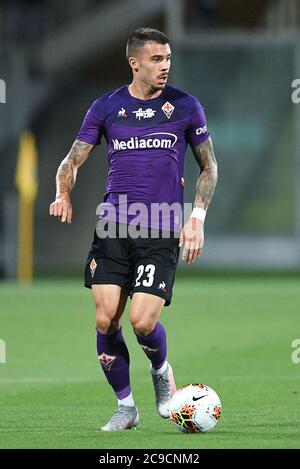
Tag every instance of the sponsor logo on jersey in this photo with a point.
(122, 113)
(168, 109)
(147, 114)
(107, 360)
(148, 141)
(201, 130)
(93, 267)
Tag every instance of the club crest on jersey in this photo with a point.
(107, 360)
(140, 114)
(122, 113)
(168, 109)
(93, 267)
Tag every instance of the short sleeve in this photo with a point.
(92, 127)
(197, 130)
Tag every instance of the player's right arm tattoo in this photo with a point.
(206, 183)
(67, 170)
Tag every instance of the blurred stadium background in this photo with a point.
(238, 58)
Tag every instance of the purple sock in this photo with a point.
(114, 358)
(154, 345)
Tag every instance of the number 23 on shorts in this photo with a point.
(148, 278)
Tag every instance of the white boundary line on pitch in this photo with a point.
(45, 380)
(42, 380)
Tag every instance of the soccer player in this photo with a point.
(147, 126)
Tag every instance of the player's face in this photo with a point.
(153, 65)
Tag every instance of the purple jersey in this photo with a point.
(147, 142)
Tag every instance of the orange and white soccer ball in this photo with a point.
(195, 408)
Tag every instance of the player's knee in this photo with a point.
(106, 326)
(142, 326)
(102, 323)
(105, 323)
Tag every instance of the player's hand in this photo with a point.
(62, 208)
(192, 240)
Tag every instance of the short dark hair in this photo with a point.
(140, 37)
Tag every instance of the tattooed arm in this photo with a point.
(208, 176)
(66, 178)
(192, 234)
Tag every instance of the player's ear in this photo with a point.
(133, 63)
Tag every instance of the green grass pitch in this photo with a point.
(232, 333)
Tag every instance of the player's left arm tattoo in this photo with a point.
(208, 176)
